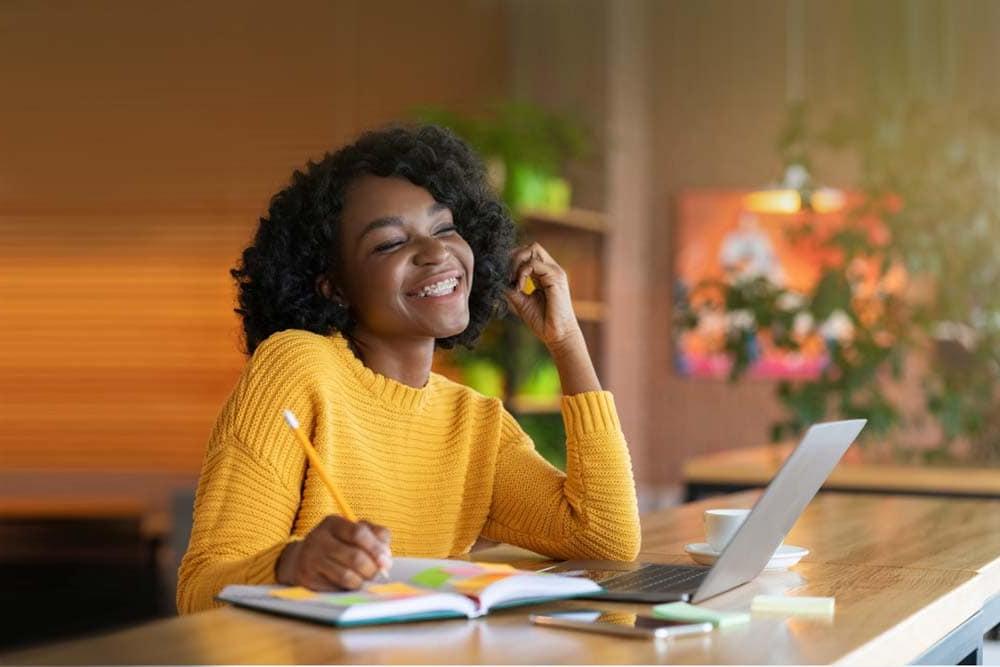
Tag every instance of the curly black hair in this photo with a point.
(298, 239)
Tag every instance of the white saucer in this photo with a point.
(786, 556)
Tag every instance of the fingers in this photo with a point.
(322, 566)
(534, 261)
(362, 536)
(381, 532)
(329, 573)
(382, 537)
(516, 300)
(354, 564)
(342, 554)
(524, 252)
(547, 311)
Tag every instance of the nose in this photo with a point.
(431, 251)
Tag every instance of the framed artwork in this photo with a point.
(718, 239)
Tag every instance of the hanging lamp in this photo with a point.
(796, 191)
(793, 194)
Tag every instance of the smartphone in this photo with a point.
(619, 623)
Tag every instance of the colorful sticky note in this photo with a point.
(689, 613)
(434, 577)
(464, 570)
(293, 593)
(793, 605)
(346, 600)
(496, 567)
(474, 585)
(396, 589)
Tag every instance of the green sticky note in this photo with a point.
(682, 611)
(346, 600)
(435, 577)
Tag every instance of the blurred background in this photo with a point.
(772, 212)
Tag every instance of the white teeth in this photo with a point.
(440, 288)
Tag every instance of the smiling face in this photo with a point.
(404, 269)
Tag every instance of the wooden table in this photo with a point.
(907, 572)
(754, 467)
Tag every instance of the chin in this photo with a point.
(452, 332)
(448, 332)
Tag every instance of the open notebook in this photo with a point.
(417, 588)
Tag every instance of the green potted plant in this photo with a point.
(929, 179)
(526, 149)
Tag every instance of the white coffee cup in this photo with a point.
(721, 525)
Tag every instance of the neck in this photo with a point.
(405, 360)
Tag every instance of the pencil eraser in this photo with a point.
(792, 605)
(682, 611)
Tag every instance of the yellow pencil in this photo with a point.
(314, 459)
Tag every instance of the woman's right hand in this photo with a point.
(336, 555)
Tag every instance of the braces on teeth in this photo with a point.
(443, 287)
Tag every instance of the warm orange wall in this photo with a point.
(140, 142)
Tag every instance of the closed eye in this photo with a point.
(385, 247)
(390, 245)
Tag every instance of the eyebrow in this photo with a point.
(396, 221)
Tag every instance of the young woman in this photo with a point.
(369, 260)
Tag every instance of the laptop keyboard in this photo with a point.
(658, 578)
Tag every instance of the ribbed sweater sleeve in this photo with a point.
(588, 512)
(250, 486)
(243, 519)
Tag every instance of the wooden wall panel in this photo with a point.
(141, 142)
(116, 352)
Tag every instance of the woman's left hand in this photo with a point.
(548, 311)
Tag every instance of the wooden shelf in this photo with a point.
(536, 405)
(575, 218)
(575, 238)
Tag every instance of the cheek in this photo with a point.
(379, 285)
(391, 280)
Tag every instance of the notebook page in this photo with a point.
(531, 587)
(487, 583)
(375, 602)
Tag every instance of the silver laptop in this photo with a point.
(746, 555)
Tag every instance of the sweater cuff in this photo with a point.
(263, 568)
(590, 412)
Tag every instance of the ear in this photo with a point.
(329, 291)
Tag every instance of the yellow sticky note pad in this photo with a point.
(495, 567)
(781, 604)
(293, 593)
(473, 585)
(395, 589)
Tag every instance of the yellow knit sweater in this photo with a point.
(439, 466)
